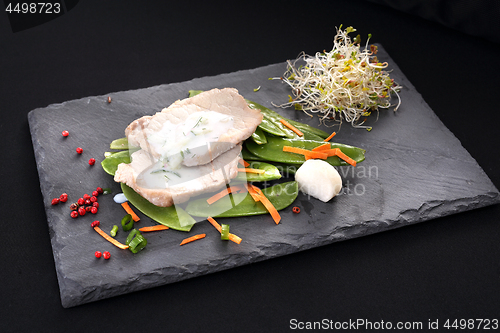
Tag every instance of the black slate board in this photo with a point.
(415, 170)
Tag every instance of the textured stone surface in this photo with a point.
(415, 170)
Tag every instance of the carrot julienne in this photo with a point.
(154, 228)
(330, 137)
(307, 153)
(265, 201)
(232, 237)
(343, 156)
(223, 193)
(251, 170)
(253, 193)
(290, 126)
(192, 239)
(110, 239)
(243, 162)
(324, 146)
(129, 210)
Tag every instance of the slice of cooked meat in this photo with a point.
(219, 116)
(164, 187)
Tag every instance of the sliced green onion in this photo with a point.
(136, 241)
(114, 231)
(224, 232)
(127, 222)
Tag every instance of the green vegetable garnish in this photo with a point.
(280, 195)
(271, 173)
(273, 151)
(110, 163)
(127, 222)
(119, 144)
(136, 241)
(173, 217)
(113, 231)
(224, 232)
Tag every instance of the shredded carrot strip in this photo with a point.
(243, 162)
(232, 237)
(154, 228)
(110, 239)
(343, 156)
(223, 193)
(192, 239)
(250, 170)
(290, 126)
(324, 146)
(307, 153)
(330, 137)
(253, 193)
(129, 210)
(265, 201)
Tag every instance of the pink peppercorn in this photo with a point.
(92, 161)
(93, 210)
(106, 255)
(98, 254)
(63, 197)
(74, 214)
(65, 133)
(95, 224)
(79, 150)
(55, 201)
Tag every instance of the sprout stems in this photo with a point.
(343, 84)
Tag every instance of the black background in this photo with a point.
(446, 268)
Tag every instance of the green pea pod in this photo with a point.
(271, 173)
(275, 118)
(110, 163)
(308, 129)
(194, 92)
(258, 136)
(280, 195)
(273, 151)
(119, 144)
(248, 156)
(311, 136)
(270, 123)
(172, 217)
(269, 126)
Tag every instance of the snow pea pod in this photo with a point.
(275, 118)
(280, 195)
(172, 217)
(110, 163)
(258, 136)
(271, 173)
(119, 144)
(248, 156)
(273, 151)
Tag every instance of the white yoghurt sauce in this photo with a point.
(120, 198)
(177, 142)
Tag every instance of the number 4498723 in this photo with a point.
(33, 8)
